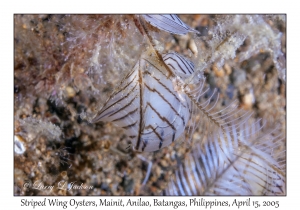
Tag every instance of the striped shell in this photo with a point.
(178, 64)
(148, 106)
(169, 23)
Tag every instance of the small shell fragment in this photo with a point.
(19, 146)
(192, 46)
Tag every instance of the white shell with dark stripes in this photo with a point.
(169, 23)
(179, 64)
(147, 106)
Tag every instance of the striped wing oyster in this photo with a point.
(148, 104)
